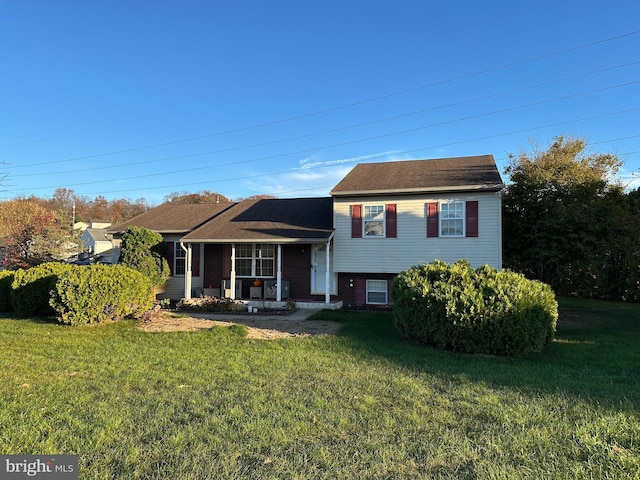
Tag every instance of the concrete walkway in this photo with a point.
(298, 315)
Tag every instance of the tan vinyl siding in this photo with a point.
(411, 247)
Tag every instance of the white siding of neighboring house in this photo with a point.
(412, 247)
(95, 245)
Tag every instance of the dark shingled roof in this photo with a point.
(416, 176)
(270, 220)
(173, 218)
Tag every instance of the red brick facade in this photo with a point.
(352, 287)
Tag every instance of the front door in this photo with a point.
(319, 270)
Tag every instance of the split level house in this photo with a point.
(380, 219)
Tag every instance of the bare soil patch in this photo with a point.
(266, 328)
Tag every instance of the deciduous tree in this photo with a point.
(205, 196)
(567, 220)
(27, 229)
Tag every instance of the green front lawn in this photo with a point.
(364, 404)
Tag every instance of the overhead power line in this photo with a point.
(486, 137)
(337, 108)
(334, 130)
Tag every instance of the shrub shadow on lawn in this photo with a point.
(596, 360)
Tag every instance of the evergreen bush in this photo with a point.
(100, 293)
(457, 308)
(31, 288)
(144, 250)
(6, 279)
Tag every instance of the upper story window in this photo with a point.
(373, 221)
(452, 219)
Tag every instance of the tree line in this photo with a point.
(34, 230)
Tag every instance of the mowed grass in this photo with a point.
(363, 404)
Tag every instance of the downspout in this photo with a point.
(187, 268)
(499, 229)
(327, 279)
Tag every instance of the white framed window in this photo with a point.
(255, 260)
(373, 221)
(377, 292)
(179, 260)
(244, 260)
(452, 219)
(264, 259)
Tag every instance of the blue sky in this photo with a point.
(141, 99)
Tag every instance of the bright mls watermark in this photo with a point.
(49, 467)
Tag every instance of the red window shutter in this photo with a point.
(433, 226)
(471, 216)
(356, 221)
(392, 221)
(359, 291)
(195, 260)
(170, 253)
(226, 260)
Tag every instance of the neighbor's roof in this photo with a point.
(269, 220)
(418, 176)
(97, 234)
(173, 218)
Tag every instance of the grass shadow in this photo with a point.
(594, 356)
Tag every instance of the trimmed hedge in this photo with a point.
(457, 308)
(32, 288)
(6, 279)
(100, 293)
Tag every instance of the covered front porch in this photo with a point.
(284, 244)
(262, 273)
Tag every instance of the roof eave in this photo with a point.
(257, 240)
(496, 187)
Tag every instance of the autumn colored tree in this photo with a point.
(28, 229)
(205, 196)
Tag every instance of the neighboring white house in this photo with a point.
(381, 219)
(98, 242)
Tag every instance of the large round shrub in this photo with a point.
(475, 311)
(100, 293)
(32, 288)
(6, 279)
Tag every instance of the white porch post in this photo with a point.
(279, 275)
(327, 277)
(187, 272)
(233, 271)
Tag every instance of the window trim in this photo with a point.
(462, 218)
(383, 221)
(368, 289)
(179, 255)
(255, 259)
